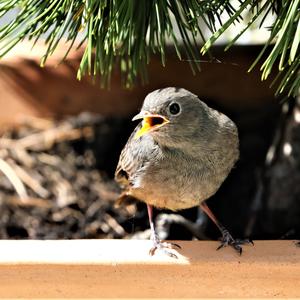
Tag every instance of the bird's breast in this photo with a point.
(173, 184)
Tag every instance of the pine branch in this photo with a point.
(284, 40)
(124, 33)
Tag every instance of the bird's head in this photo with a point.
(172, 116)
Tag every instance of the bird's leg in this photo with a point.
(227, 238)
(157, 243)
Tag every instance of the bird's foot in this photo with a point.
(161, 246)
(228, 240)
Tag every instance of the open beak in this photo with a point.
(150, 122)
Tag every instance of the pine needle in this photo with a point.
(121, 35)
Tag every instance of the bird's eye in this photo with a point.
(174, 108)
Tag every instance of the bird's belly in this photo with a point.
(172, 191)
(166, 200)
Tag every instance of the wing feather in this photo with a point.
(128, 165)
(133, 159)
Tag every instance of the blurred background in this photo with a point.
(60, 140)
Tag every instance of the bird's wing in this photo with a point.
(131, 159)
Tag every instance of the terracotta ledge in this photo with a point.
(123, 268)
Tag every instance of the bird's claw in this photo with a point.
(228, 240)
(158, 245)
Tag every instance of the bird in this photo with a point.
(177, 157)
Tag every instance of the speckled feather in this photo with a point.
(185, 161)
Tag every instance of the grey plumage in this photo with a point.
(184, 162)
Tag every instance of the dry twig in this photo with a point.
(11, 175)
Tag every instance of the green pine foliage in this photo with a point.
(124, 33)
